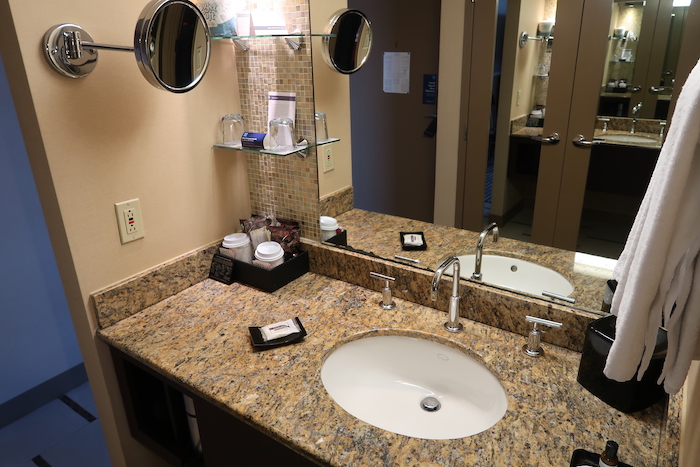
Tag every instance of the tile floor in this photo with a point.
(63, 433)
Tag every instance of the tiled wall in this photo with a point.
(286, 187)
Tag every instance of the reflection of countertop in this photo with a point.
(199, 339)
(656, 144)
(528, 132)
(379, 234)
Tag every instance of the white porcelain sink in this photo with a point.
(387, 381)
(628, 139)
(516, 274)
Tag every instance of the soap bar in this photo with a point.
(261, 343)
(413, 241)
(278, 330)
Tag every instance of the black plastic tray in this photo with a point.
(270, 280)
(260, 344)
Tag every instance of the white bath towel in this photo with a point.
(658, 271)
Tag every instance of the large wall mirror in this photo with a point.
(616, 174)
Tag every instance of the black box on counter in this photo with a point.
(339, 239)
(270, 280)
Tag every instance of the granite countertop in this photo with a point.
(379, 234)
(199, 338)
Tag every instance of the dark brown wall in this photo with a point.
(393, 162)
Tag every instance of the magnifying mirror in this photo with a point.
(171, 43)
(349, 42)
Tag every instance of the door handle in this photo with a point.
(581, 141)
(655, 90)
(551, 139)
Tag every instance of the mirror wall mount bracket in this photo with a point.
(524, 37)
(70, 51)
(171, 46)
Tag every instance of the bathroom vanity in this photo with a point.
(262, 404)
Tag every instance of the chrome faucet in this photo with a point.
(635, 114)
(453, 324)
(492, 229)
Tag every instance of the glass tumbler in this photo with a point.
(282, 133)
(232, 127)
(321, 126)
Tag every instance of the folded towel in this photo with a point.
(657, 270)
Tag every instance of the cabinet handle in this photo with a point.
(551, 139)
(581, 141)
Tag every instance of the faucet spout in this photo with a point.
(453, 324)
(635, 113)
(493, 230)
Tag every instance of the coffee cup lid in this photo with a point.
(269, 251)
(235, 240)
(328, 223)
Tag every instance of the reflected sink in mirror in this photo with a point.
(414, 387)
(516, 274)
(629, 139)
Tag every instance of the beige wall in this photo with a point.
(450, 130)
(531, 12)
(108, 138)
(332, 96)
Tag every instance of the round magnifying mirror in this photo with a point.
(172, 44)
(350, 43)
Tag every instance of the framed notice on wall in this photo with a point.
(397, 70)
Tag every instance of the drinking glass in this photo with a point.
(232, 127)
(321, 126)
(282, 133)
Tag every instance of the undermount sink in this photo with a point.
(516, 274)
(628, 139)
(414, 387)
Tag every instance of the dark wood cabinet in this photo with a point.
(155, 410)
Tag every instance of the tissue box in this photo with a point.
(339, 239)
(628, 396)
(273, 279)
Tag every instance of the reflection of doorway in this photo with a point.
(393, 152)
(552, 184)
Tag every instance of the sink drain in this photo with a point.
(430, 404)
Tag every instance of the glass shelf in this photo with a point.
(282, 153)
(271, 35)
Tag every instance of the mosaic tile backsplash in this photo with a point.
(286, 187)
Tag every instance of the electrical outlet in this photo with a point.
(129, 220)
(328, 163)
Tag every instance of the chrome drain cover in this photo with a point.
(430, 404)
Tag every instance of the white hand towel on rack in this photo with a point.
(657, 272)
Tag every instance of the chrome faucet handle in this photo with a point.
(533, 347)
(661, 130)
(387, 303)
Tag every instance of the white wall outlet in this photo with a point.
(328, 163)
(129, 220)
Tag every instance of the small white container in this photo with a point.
(329, 228)
(271, 253)
(240, 245)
